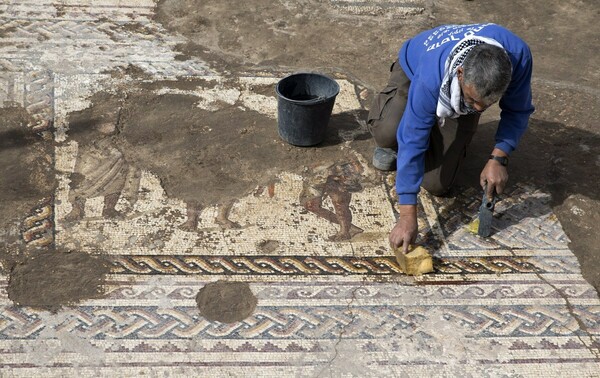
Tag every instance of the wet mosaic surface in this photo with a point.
(328, 304)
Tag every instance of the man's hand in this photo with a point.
(494, 175)
(404, 232)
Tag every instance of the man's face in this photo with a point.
(470, 96)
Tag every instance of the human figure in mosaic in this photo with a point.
(101, 170)
(424, 119)
(337, 182)
(194, 208)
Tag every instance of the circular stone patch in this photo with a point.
(226, 302)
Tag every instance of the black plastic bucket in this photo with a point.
(304, 105)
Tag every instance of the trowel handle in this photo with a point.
(486, 202)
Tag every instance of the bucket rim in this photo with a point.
(307, 102)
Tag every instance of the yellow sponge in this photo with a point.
(416, 262)
(473, 227)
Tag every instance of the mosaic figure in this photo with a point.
(101, 170)
(193, 209)
(337, 182)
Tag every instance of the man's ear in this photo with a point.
(459, 74)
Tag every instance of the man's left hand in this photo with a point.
(494, 175)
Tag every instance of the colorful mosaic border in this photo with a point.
(322, 265)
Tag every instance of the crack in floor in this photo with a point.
(343, 330)
(594, 351)
(580, 323)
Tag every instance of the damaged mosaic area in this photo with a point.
(327, 302)
(310, 243)
(487, 308)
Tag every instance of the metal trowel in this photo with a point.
(486, 212)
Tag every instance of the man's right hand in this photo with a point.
(405, 231)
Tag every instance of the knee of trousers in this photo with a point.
(432, 182)
(384, 133)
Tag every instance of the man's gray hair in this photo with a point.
(488, 69)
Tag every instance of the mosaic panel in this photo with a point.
(328, 303)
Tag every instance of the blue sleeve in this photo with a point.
(516, 105)
(413, 140)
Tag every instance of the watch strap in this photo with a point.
(500, 159)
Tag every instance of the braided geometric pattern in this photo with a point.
(300, 322)
(323, 265)
(38, 227)
(522, 220)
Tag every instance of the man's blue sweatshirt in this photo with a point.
(423, 59)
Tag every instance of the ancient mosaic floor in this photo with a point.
(328, 305)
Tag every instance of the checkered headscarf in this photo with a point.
(450, 101)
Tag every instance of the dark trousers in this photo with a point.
(447, 144)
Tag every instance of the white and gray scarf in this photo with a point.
(450, 101)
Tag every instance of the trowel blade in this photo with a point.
(485, 222)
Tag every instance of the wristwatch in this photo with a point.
(500, 159)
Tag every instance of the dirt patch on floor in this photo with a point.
(39, 276)
(298, 34)
(27, 178)
(226, 302)
(311, 34)
(563, 35)
(201, 157)
(53, 279)
(267, 246)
